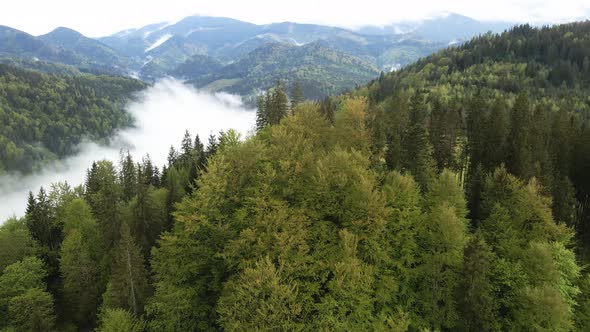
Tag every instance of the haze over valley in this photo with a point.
(161, 115)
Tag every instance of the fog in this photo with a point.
(162, 114)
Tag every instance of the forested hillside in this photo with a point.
(437, 198)
(43, 117)
(519, 99)
(320, 71)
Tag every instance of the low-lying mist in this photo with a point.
(162, 114)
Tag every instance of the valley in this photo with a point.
(155, 115)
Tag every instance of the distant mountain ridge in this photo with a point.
(227, 54)
(164, 48)
(61, 46)
(90, 48)
(444, 28)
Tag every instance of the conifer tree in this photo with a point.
(402, 195)
(297, 96)
(262, 106)
(40, 221)
(104, 197)
(128, 177)
(519, 160)
(128, 284)
(327, 108)
(496, 134)
(271, 107)
(279, 105)
(476, 294)
(172, 156)
(416, 146)
(212, 145)
(80, 263)
(186, 147)
(476, 119)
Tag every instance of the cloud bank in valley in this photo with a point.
(162, 114)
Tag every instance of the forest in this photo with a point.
(44, 117)
(449, 196)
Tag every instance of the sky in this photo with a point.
(105, 17)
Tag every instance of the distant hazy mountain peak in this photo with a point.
(124, 33)
(64, 30)
(443, 27)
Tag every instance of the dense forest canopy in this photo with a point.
(43, 117)
(519, 99)
(435, 198)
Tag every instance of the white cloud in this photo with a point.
(162, 114)
(98, 18)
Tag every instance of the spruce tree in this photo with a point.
(128, 177)
(476, 291)
(417, 151)
(297, 96)
(104, 197)
(519, 156)
(128, 284)
(279, 105)
(262, 106)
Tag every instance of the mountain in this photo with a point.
(319, 69)
(453, 27)
(16, 43)
(197, 66)
(447, 28)
(60, 47)
(208, 50)
(89, 48)
(165, 46)
(44, 117)
(202, 32)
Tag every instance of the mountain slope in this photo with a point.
(197, 66)
(43, 117)
(16, 43)
(319, 69)
(517, 100)
(60, 47)
(540, 61)
(90, 48)
(167, 45)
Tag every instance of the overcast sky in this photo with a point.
(99, 18)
